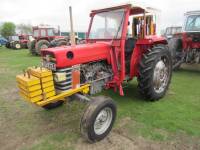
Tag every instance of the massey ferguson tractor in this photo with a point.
(110, 57)
(185, 46)
(44, 37)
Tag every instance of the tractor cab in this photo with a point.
(191, 33)
(41, 32)
(13, 38)
(123, 26)
(108, 24)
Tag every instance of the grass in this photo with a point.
(24, 126)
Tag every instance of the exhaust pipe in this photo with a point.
(72, 35)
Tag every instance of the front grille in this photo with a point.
(66, 84)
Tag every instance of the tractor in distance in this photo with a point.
(185, 46)
(110, 57)
(45, 37)
(18, 41)
(171, 31)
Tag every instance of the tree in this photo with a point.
(24, 28)
(8, 29)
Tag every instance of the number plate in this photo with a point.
(49, 65)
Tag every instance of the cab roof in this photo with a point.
(135, 8)
(196, 12)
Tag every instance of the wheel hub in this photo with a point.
(161, 76)
(44, 46)
(103, 121)
(17, 46)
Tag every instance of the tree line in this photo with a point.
(9, 29)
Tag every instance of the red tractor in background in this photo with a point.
(185, 46)
(171, 31)
(110, 57)
(44, 37)
(18, 41)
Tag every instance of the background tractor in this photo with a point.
(171, 31)
(18, 41)
(185, 46)
(121, 44)
(44, 37)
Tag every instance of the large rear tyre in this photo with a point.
(53, 105)
(8, 45)
(17, 46)
(98, 118)
(62, 43)
(155, 71)
(42, 44)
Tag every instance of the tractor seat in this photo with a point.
(130, 45)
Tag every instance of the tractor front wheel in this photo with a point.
(31, 47)
(98, 118)
(155, 70)
(42, 44)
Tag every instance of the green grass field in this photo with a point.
(173, 119)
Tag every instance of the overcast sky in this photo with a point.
(55, 12)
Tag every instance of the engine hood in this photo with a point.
(67, 56)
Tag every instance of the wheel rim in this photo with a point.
(103, 121)
(161, 75)
(17, 46)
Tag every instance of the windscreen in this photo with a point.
(36, 33)
(50, 32)
(14, 38)
(107, 25)
(193, 23)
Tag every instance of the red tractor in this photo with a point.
(44, 37)
(17, 41)
(185, 46)
(110, 57)
(171, 31)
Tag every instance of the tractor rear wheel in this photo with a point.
(17, 46)
(42, 44)
(98, 118)
(53, 105)
(155, 70)
(8, 45)
(62, 43)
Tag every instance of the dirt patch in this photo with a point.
(116, 141)
(120, 139)
(10, 94)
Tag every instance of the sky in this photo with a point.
(55, 12)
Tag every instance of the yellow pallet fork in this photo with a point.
(36, 86)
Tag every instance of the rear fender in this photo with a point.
(142, 47)
(43, 38)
